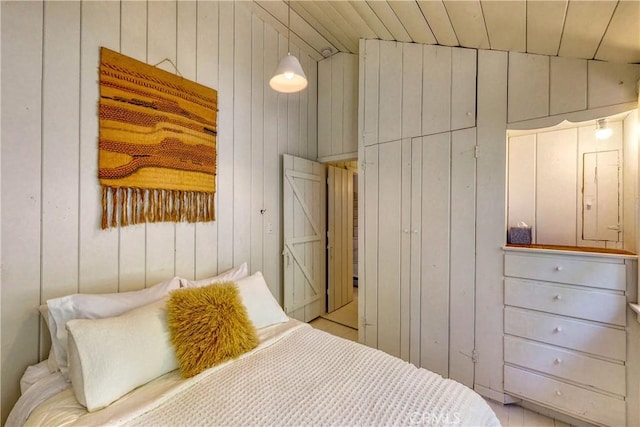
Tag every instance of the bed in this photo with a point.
(293, 375)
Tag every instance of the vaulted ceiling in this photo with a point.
(606, 30)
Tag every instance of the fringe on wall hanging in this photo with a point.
(130, 206)
(157, 145)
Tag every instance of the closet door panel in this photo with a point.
(324, 108)
(350, 101)
(411, 90)
(337, 105)
(390, 118)
(528, 87)
(436, 89)
(435, 191)
(568, 82)
(416, 248)
(492, 113)
(370, 313)
(371, 72)
(610, 84)
(389, 211)
(462, 281)
(405, 254)
(463, 88)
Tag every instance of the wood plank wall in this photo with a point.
(51, 239)
(545, 176)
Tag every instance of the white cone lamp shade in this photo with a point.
(289, 77)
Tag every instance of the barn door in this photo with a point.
(304, 198)
(340, 237)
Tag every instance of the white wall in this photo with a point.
(52, 243)
(545, 185)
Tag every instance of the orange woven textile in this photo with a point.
(157, 145)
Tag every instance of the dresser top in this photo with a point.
(571, 250)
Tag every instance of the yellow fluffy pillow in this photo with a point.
(208, 326)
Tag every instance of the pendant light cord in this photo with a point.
(289, 27)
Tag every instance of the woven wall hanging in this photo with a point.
(157, 144)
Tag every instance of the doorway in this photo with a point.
(342, 245)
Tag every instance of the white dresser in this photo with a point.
(570, 340)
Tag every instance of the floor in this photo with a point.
(346, 315)
(343, 322)
(509, 415)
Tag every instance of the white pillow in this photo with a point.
(262, 307)
(52, 364)
(231, 275)
(110, 357)
(96, 306)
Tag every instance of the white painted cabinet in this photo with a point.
(414, 90)
(338, 107)
(418, 185)
(497, 88)
(570, 342)
(420, 282)
(528, 95)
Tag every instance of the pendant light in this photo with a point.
(289, 76)
(603, 131)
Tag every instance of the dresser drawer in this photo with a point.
(575, 302)
(565, 269)
(585, 404)
(565, 332)
(566, 364)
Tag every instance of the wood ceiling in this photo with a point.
(606, 30)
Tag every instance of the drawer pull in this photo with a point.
(557, 361)
(557, 329)
(558, 297)
(558, 393)
(559, 268)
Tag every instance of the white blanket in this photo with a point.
(302, 376)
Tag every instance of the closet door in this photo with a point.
(432, 194)
(389, 274)
(462, 260)
(419, 209)
(387, 195)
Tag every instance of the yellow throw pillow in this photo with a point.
(208, 326)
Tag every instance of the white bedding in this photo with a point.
(297, 376)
